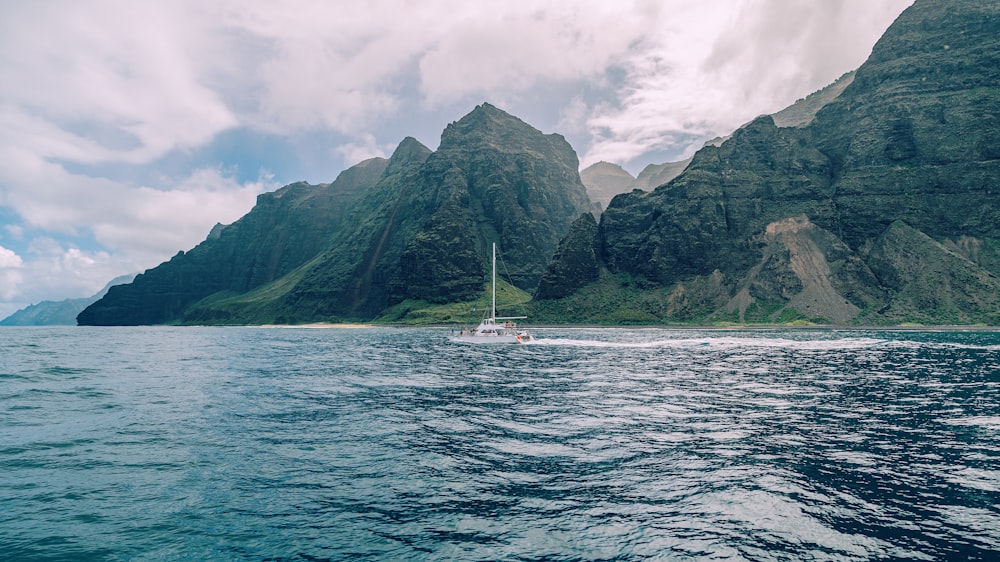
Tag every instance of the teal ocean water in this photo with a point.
(394, 444)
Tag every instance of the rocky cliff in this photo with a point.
(851, 217)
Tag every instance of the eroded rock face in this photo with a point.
(931, 283)
(809, 270)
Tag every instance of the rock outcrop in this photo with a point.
(574, 264)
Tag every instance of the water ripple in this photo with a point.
(590, 444)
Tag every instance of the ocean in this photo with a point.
(168, 443)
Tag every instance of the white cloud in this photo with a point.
(105, 80)
(140, 223)
(10, 274)
(138, 226)
(9, 258)
(365, 148)
(516, 46)
(51, 271)
(125, 81)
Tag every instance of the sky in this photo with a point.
(129, 128)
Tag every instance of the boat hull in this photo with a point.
(490, 339)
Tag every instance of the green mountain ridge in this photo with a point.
(417, 231)
(285, 229)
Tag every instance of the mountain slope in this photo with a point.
(423, 231)
(655, 175)
(58, 313)
(493, 178)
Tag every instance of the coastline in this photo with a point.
(312, 325)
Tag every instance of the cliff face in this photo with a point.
(574, 264)
(910, 145)
(417, 226)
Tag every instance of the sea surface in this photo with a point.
(169, 443)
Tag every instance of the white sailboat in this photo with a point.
(493, 328)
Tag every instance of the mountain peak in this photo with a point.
(487, 125)
(408, 148)
(409, 151)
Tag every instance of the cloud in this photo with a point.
(135, 227)
(345, 66)
(9, 258)
(141, 223)
(511, 48)
(363, 150)
(10, 273)
(106, 81)
(129, 82)
(52, 271)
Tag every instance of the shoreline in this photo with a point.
(741, 327)
(311, 325)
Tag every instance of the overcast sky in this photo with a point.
(128, 129)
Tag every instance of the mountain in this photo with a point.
(881, 208)
(58, 313)
(417, 231)
(574, 264)
(655, 175)
(603, 181)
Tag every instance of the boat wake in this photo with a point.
(735, 342)
(719, 343)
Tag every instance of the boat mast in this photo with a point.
(494, 309)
